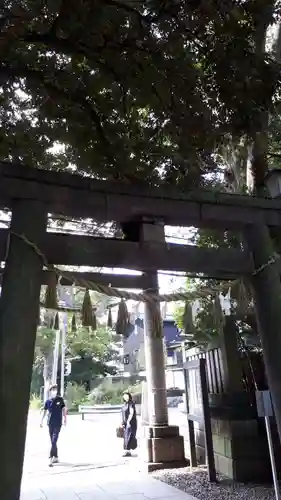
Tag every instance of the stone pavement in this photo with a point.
(90, 468)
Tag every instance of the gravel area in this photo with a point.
(196, 483)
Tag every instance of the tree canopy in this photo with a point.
(92, 351)
(131, 89)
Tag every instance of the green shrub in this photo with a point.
(113, 395)
(75, 395)
(35, 402)
(135, 389)
(106, 396)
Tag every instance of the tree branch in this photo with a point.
(128, 8)
(274, 155)
(76, 97)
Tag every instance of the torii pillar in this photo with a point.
(19, 307)
(165, 447)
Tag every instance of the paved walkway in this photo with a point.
(91, 466)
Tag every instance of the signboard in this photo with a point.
(197, 407)
(264, 404)
(194, 390)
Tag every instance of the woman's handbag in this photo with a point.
(120, 432)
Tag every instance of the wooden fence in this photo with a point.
(214, 369)
(252, 370)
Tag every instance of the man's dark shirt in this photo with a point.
(54, 407)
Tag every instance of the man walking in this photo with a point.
(56, 410)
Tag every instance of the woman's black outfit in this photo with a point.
(129, 421)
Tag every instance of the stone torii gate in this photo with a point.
(31, 195)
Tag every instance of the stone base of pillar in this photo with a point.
(164, 448)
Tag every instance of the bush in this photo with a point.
(135, 389)
(106, 396)
(35, 402)
(75, 395)
(112, 395)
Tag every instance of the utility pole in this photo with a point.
(56, 358)
(63, 337)
(64, 300)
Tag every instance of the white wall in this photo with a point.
(175, 378)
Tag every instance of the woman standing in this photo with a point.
(129, 423)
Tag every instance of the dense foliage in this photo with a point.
(131, 89)
(93, 352)
(155, 91)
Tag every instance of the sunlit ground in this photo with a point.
(91, 465)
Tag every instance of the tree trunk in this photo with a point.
(267, 300)
(266, 282)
